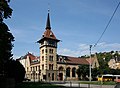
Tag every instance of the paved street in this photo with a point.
(76, 85)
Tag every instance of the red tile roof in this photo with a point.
(75, 60)
(49, 34)
(90, 60)
(71, 60)
(31, 57)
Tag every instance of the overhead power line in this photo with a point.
(107, 25)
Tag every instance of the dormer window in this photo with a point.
(51, 34)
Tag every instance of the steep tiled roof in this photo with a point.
(33, 59)
(31, 56)
(49, 34)
(72, 60)
(75, 60)
(90, 60)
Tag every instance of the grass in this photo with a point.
(99, 83)
(47, 85)
(36, 85)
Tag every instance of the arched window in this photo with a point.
(50, 66)
(50, 58)
(61, 68)
(42, 58)
(68, 72)
(73, 72)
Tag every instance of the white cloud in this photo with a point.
(68, 52)
(16, 57)
(102, 47)
(83, 49)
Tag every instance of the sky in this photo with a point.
(77, 23)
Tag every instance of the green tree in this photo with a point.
(94, 73)
(5, 10)
(6, 38)
(8, 66)
(83, 71)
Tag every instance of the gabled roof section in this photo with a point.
(33, 59)
(94, 61)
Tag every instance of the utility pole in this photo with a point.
(90, 64)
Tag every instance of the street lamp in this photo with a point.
(90, 64)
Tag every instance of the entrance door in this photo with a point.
(60, 76)
(52, 76)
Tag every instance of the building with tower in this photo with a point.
(48, 52)
(49, 65)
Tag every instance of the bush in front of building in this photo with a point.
(14, 69)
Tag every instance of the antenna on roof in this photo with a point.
(48, 7)
(48, 20)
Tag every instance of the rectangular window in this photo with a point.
(50, 58)
(43, 51)
(52, 76)
(36, 68)
(51, 51)
(50, 66)
(42, 58)
(48, 74)
(43, 67)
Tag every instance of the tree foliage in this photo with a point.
(103, 59)
(6, 39)
(83, 71)
(5, 10)
(8, 66)
(14, 69)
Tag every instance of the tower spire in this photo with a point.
(48, 21)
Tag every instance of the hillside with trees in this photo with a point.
(103, 59)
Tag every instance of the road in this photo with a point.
(77, 85)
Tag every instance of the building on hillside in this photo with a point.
(51, 66)
(114, 62)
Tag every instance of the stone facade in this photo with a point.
(50, 66)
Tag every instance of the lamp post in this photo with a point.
(90, 64)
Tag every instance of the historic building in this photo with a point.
(49, 65)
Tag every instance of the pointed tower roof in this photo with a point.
(48, 34)
(48, 22)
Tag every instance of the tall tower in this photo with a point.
(48, 53)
